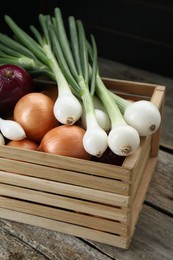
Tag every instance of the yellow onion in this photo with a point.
(65, 140)
(34, 112)
(24, 144)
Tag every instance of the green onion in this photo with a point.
(123, 139)
(71, 60)
(143, 115)
(67, 108)
(95, 138)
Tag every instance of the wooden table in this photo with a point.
(153, 237)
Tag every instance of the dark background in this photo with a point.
(137, 33)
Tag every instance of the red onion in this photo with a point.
(15, 82)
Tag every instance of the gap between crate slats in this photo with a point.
(51, 161)
(77, 218)
(70, 229)
(141, 193)
(73, 191)
(69, 177)
(45, 198)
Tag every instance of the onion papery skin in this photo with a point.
(15, 82)
(24, 144)
(65, 140)
(34, 112)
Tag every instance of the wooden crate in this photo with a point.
(88, 199)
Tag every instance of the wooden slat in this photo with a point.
(65, 163)
(141, 194)
(65, 228)
(65, 216)
(70, 177)
(131, 87)
(139, 171)
(158, 99)
(158, 96)
(73, 191)
(65, 202)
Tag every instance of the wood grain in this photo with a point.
(152, 239)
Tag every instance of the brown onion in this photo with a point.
(65, 140)
(34, 112)
(24, 144)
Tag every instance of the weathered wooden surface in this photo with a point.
(153, 237)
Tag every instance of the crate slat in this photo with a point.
(66, 228)
(55, 162)
(75, 178)
(61, 188)
(76, 218)
(97, 209)
(141, 193)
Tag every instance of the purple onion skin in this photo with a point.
(15, 82)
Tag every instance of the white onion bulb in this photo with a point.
(144, 116)
(12, 130)
(102, 120)
(95, 141)
(67, 109)
(123, 140)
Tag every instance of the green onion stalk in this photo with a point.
(73, 56)
(41, 59)
(123, 139)
(51, 54)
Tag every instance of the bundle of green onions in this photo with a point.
(71, 61)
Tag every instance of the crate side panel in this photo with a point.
(65, 163)
(97, 209)
(141, 193)
(60, 188)
(139, 171)
(76, 218)
(60, 175)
